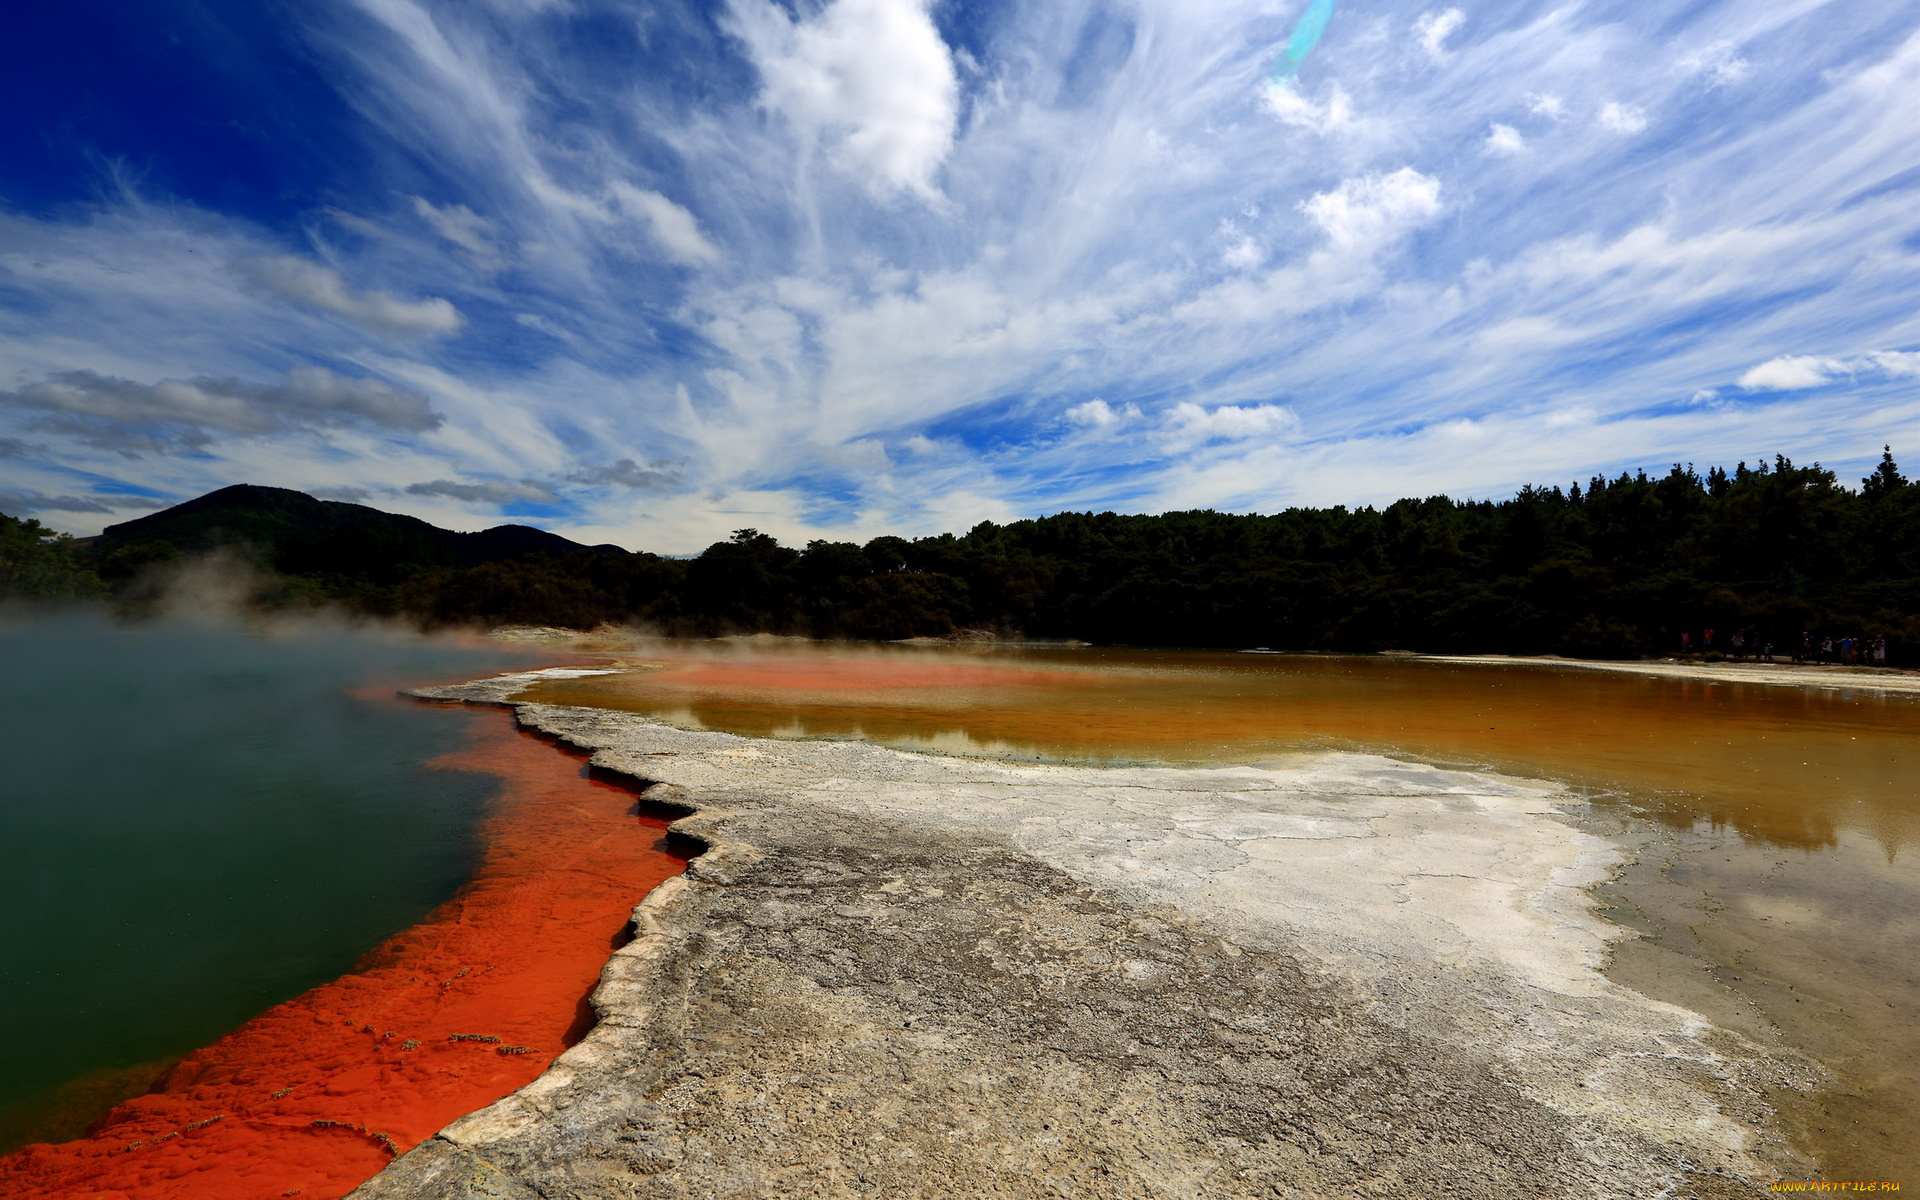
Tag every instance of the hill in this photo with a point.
(295, 534)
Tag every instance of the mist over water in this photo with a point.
(198, 821)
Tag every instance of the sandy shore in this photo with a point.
(1775, 674)
(900, 974)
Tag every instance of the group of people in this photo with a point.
(1826, 649)
(1842, 650)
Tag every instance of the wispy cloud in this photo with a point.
(881, 265)
(13, 502)
(305, 282)
(461, 226)
(491, 491)
(653, 477)
(672, 226)
(187, 414)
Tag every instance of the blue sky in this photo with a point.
(650, 272)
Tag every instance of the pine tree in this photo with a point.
(1886, 478)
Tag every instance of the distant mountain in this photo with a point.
(296, 534)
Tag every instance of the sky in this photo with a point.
(649, 272)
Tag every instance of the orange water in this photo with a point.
(1790, 765)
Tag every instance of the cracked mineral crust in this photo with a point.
(893, 974)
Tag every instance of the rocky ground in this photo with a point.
(904, 975)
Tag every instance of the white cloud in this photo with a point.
(1791, 373)
(1897, 363)
(1578, 417)
(1549, 106)
(1099, 415)
(1720, 63)
(1797, 372)
(872, 74)
(1243, 254)
(1434, 28)
(672, 226)
(1188, 421)
(1294, 107)
(1616, 117)
(1374, 209)
(1240, 251)
(1504, 140)
(307, 282)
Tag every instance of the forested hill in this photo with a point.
(1615, 568)
(299, 535)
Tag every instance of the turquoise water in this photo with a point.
(199, 822)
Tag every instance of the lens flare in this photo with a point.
(1306, 35)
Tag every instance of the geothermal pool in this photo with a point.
(310, 921)
(268, 815)
(197, 823)
(1771, 827)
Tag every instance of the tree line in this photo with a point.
(1617, 568)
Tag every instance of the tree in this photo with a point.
(1886, 478)
(37, 564)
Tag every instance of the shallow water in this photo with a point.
(1775, 885)
(197, 823)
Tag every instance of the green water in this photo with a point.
(199, 822)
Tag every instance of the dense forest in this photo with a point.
(1617, 568)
